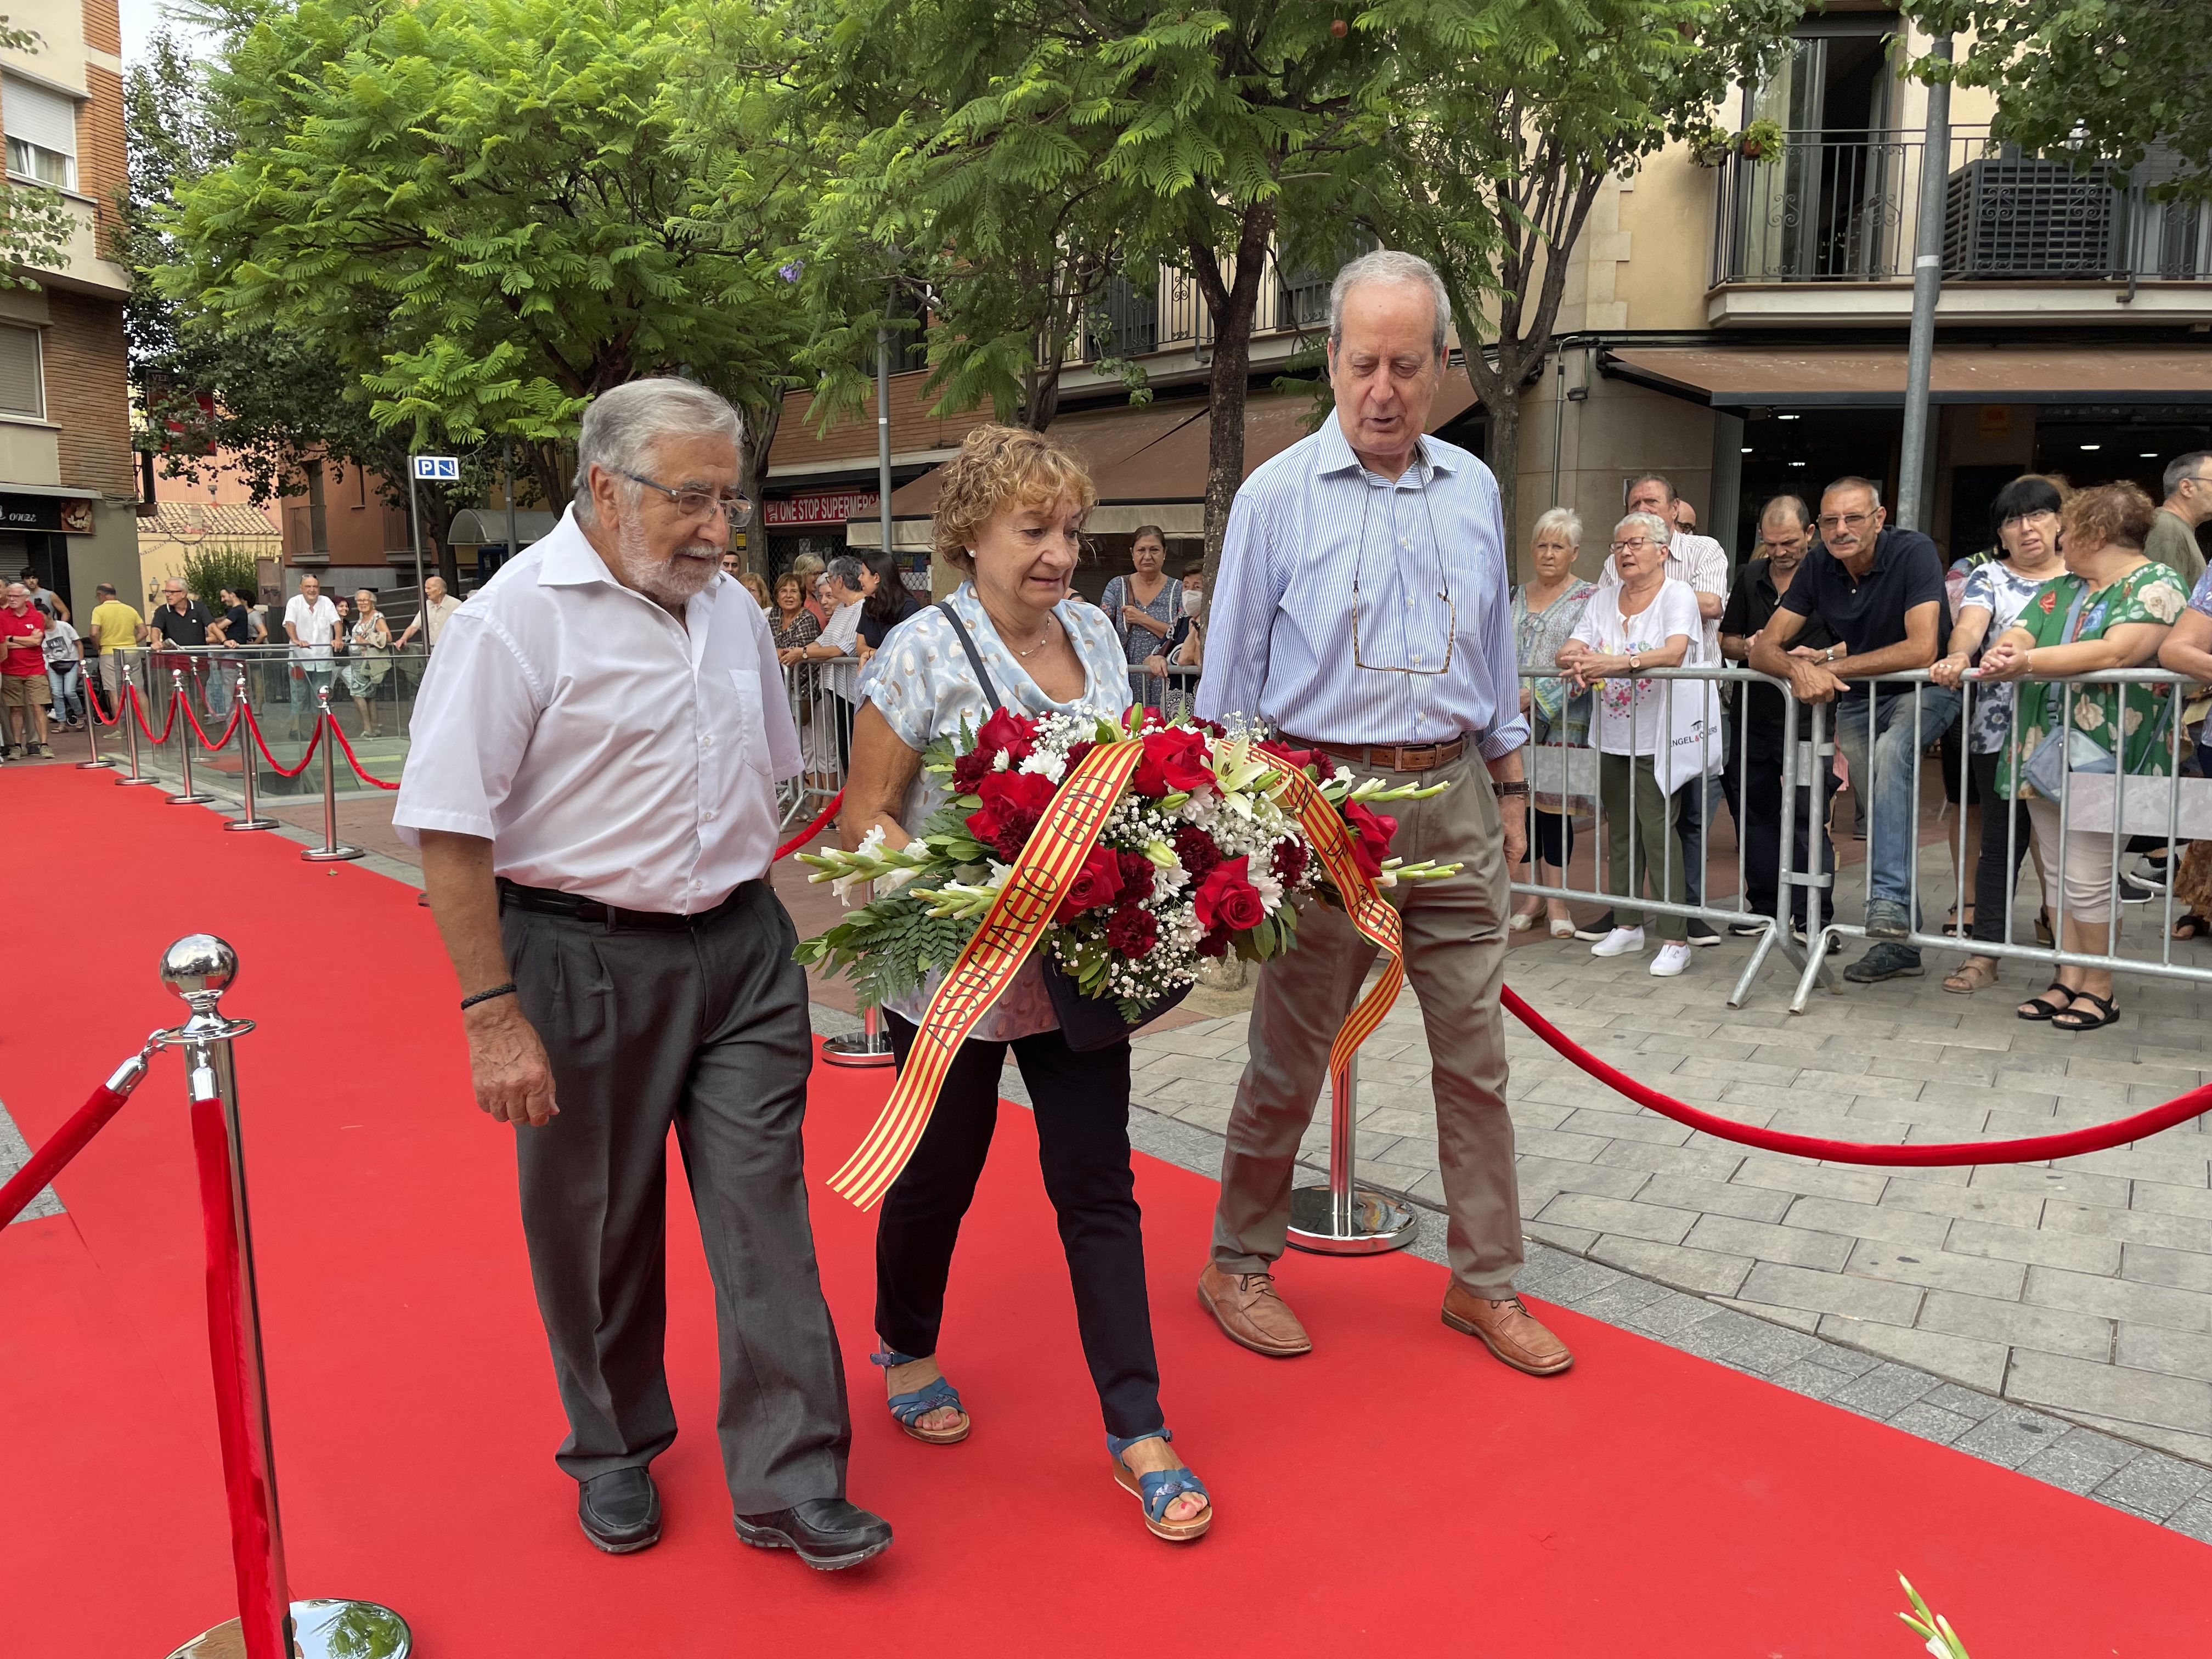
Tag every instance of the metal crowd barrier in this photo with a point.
(821, 694)
(2170, 809)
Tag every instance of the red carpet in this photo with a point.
(1396, 1490)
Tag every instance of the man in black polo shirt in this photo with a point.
(1785, 536)
(178, 620)
(1880, 593)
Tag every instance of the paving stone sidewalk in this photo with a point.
(2083, 1287)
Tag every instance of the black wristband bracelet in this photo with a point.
(505, 990)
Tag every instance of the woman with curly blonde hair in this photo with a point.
(1010, 512)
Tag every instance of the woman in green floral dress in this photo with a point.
(2112, 609)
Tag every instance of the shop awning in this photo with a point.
(1873, 377)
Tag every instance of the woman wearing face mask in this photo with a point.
(1186, 647)
(1009, 516)
(1144, 605)
(1997, 592)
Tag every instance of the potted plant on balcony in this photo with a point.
(1760, 141)
(1712, 147)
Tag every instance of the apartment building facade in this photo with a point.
(68, 489)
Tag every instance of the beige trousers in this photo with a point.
(1454, 946)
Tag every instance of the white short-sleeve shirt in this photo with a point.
(603, 747)
(1632, 712)
(316, 624)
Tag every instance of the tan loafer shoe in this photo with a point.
(1251, 1315)
(1509, 1330)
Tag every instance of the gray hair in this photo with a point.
(846, 569)
(1563, 520)
(1651, 525)
(2184, 466)
(1388, 265)
(626, 421)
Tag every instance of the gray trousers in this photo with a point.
(706, 1028)
(1454, 948)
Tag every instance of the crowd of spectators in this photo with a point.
(1964, 671)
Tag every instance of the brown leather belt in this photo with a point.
(1388, 757)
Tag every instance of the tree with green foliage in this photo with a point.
(2095, 78)
(36, 226)
(485, 212)
(1492, 173)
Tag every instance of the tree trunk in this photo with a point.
(1233, 308)
(761, 425)
(1502, 447)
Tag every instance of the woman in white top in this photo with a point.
(370, 637)
(841, 637)
(1649, 620)
(1010, 512)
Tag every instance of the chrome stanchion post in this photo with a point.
(188, 796)
(1342, 1218)
(252, 820)
(869, 1046)
(126, 694)
(332, 851)
(199, 968)
(91, 727)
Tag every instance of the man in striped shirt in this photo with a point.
(1362, 609)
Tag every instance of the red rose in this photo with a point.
(1197, 851)
(1097, 884)
(1012, 803)
(1371, 832)
(1175, 761)
(1227, 899)
(1012, 733)
(1294, 760)
(1132, 930)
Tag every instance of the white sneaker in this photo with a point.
(1619, 942)
(1672, 957)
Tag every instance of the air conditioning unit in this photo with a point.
(2012, 216)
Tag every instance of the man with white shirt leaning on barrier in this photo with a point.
(591, 780)
(1362, 609)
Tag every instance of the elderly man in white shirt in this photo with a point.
(1703, 563)
(311, 622)
(592, 782)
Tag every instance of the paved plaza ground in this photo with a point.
(2054, 1318)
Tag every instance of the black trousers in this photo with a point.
(1996, 872)
(1082, 1103)
(1760, 780)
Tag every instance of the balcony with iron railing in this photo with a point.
(1173, 317)
(1841, 207)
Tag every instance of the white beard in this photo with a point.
(670, 582)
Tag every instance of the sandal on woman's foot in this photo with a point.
(1974, 973)
(2071, 1019)
(1957, 926)
(1158, 1489)
(1563, 928)
(1520, 921)
(2192, 925)
(933, 1395)
(2029, 1009)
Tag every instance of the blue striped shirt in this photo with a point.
(1426, 551)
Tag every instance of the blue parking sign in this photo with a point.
(438, 468)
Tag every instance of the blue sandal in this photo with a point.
(910, 1408)
(1160, 1488)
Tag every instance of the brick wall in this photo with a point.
(100, 161)
(854, 438)
(86, 393)
(103, 26)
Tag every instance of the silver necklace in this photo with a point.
(1042, 639)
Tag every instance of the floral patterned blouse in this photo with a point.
(923, 684)
(1557, 716)
(2129, 719)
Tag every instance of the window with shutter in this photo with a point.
(41, 129)
(20, 392)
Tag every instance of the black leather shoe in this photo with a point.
(620, 1511)
(827, 1532)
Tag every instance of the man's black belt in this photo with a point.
(552, 902)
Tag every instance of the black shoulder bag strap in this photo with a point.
(974, 657)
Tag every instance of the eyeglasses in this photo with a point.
(1853, 522)
(697, 503)
(1622, 547)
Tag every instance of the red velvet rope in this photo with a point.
(64, 1144)
(353, 760)
(105, 719)
(264, 1602)
(820, 823)
(253, 724)
(138, 712)
(213, 746)
(2034, 1149)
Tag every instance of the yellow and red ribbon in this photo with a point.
(1024, 908)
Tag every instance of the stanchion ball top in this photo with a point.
(199, 963)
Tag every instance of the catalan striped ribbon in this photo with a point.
(1011, 929)
(1369, 912)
